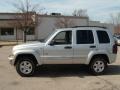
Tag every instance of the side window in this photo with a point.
(84, 37)
(64, 37)
(103, 37)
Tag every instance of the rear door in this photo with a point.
(83, 45)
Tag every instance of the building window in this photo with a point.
(7, 31)
(30, 31)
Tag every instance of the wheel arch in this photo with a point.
(99, 55)
(26, 55)
(93, 55)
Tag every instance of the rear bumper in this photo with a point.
(11, 59)
(112, 58)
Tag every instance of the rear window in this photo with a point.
(84, 37)
(103, 37)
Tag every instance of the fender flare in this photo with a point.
(32, 52)
(92, 54)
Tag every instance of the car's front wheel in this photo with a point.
(25, 66)
(98, 65)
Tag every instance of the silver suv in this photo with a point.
(89, 45)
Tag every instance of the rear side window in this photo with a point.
(84, 37)
(103, 37)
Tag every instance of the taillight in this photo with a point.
(115, 48)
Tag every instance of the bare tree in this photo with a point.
(26, 15)
(64, 22)
(80, 12)
(115, 20)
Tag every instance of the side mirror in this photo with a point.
(52, 43)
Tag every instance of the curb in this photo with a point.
(7, 45)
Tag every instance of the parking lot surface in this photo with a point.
(57, 77)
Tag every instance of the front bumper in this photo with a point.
(11, 59)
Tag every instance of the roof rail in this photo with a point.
(90, 26)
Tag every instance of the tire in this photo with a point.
(25, 67)
(98, 66)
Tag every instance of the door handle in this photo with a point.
(92, 46)
(68, 47)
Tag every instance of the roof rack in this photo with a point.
(90, 26)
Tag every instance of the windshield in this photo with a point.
(118, 37)
(49, 35)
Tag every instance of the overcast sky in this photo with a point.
(97, 9)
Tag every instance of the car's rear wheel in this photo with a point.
(98, 66)
(25, 66)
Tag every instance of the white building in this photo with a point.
(46, 25)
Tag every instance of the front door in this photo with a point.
(59, 50)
